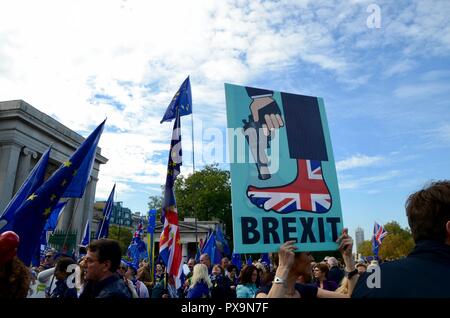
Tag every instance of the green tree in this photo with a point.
(365, 248)
(123, 235)
(397, 243)
(206, 195)
(155, 202)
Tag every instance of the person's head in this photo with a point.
(332, 262)
(428, 212)
(159, 269)
(200, 274)
(321, 271)
(305, 278)
(249, 275)
(102, 259)
(204, 259)
(123, 268)
(267, 277)
(232, 271)
(61, 267)
(302, 263)
(49, 259)
(361, 267)
(216, 270)
(130, 273)
(224, 263)
(143, 274)
(191, 264)
(15, 279)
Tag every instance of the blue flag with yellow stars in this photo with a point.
(33, 181)
(173, 168)
(103, 227)
(30, 218)
(79, 182)
(182, 101)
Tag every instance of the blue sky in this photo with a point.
(386, 90)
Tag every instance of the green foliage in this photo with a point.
(396, 244)
(155, 202)
(365, 248)
(206, 195)
(122, 234)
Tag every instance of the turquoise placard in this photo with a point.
(283, 187)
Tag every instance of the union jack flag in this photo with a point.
(140, 230)
(308, 192)
(379, 233)
(169, 241)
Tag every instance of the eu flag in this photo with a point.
(80, 181)
(103, 227)
(33, 181)
(151, 221)
(86, 235)
(237, 261)
(50, 226)
(32, 215)
(182, 101)
(222, 242)
(52, 221)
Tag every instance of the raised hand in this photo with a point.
(286, 254)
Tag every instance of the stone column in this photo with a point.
(9, 160)
(24, 167)
(184, 251)
(85, 209)
(66, 215)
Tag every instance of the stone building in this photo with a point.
(25, 134)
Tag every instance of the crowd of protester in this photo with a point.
(100, 271)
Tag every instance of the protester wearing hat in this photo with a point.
(15, 277)
(361, 267)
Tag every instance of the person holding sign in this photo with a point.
(292, 265)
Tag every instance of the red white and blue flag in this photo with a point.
(169, 242)
(379, 233)
(140, 230)
(308, 192)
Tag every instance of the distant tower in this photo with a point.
(359, 236)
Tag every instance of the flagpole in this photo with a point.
(193, 171)
(71, 219)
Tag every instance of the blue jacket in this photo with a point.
(63, 291)
(200, 290)
(335, 275)
(425, 273)
(111, 287)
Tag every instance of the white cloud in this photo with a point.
(421, 90)
(399, 67)
(57, 55)
(358, 161)
(351, 182)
